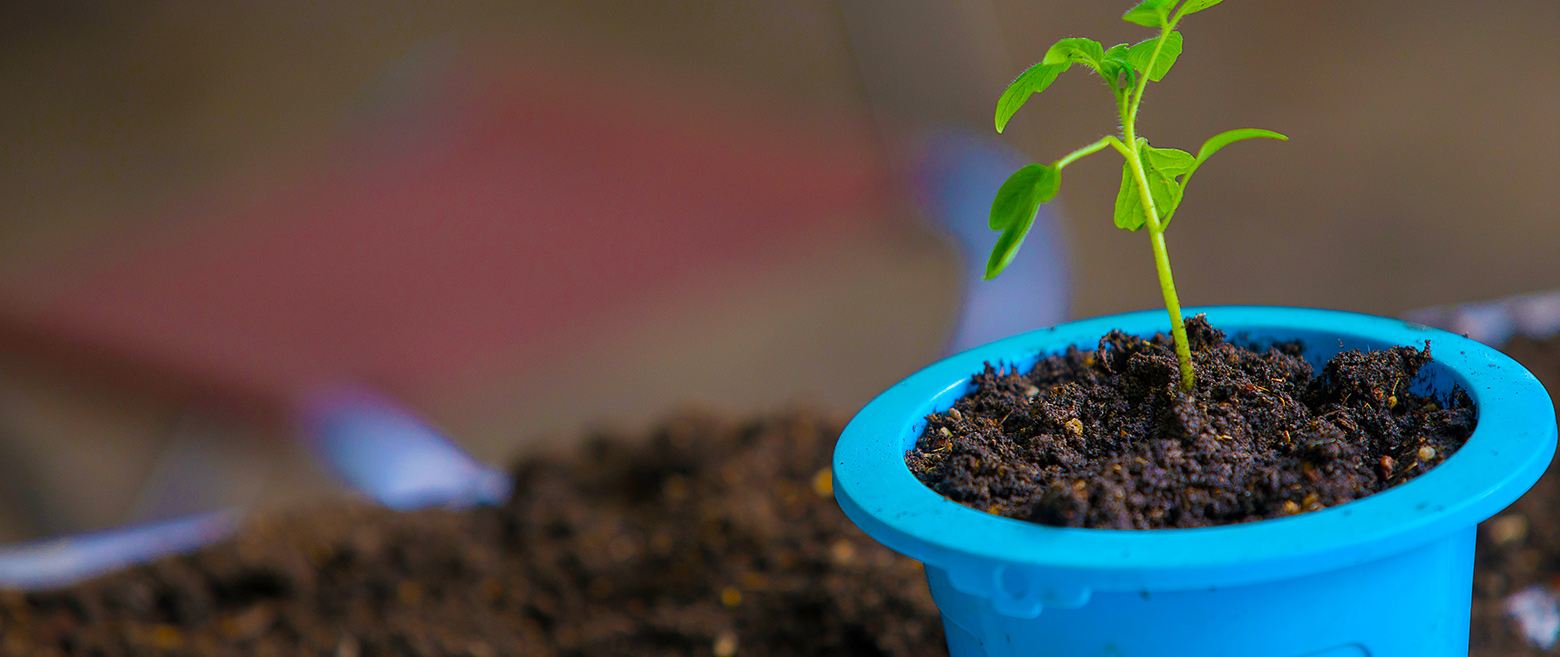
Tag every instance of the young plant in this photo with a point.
(1152, 179)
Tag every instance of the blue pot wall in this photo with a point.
(1389, 575)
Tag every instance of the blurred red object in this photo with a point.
(518, 214)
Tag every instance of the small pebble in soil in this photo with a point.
(1426, 453)
(725, 644)
(1508, 529)
(823, 483)
(842, 551)
(1386, 464)
(1489, 584)
(166, 637)
(675, 488)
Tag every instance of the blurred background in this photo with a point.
(520, 221)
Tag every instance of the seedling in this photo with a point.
(1152, 179)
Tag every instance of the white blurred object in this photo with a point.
(1534, 315)
(64, 561)
(1537, 613)
(392, 455)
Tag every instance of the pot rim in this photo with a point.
(1509, 449)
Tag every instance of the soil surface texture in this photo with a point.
(1107, 439)
(708, 537)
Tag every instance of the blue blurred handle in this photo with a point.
(372, 444)
(65, 561)
(958, 176)
(392, 456)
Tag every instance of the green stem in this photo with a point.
(1130, 115)
(1156, 230)
(1086, 150)
(1156, 236)
(1183, 352)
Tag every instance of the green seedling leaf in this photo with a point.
(1208, 148)
(1163, 167)
(1116, 70)
(1075, 51)
(1139, 54)
(1119, 74)
(1129, 206)
(1223, 139)
(1032, 81)
(1150, 13)
(1129, 210)
(1168, 161)
(1013, 211)
(1194, 6)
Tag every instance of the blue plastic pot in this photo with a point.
(1389, 575)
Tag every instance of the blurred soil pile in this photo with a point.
(706, 537)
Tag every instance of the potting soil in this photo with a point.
(1106, 438)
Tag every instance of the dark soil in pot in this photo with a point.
(1105, 438)
(706, 538)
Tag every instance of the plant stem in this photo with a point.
(1156, 230)
(1086, 150)
(1183, 352)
